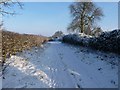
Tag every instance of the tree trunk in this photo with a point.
(82, 25)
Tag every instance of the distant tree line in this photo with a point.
(58, 34)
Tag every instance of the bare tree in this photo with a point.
(7, 7)
(84, 16)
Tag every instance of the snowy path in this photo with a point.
(59, 65)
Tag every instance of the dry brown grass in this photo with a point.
(15, 42)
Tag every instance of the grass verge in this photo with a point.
(12, 42)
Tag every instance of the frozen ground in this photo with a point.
(59, 65)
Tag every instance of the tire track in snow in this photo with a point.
(74, 75)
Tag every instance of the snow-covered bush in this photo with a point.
(96, 31)
(107, 41)
(78, 39)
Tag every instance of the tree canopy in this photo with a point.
(84, 15)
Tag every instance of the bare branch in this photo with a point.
(6, 7)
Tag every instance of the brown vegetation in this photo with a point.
(15, 42)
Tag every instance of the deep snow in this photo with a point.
(59, 65)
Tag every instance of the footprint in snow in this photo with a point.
(73, 75)
(99, 69)
(13, 74)
(77, 51)
(78, 86)
(113, 82)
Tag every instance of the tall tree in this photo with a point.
(84, 16)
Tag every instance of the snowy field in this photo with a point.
(59, 65)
